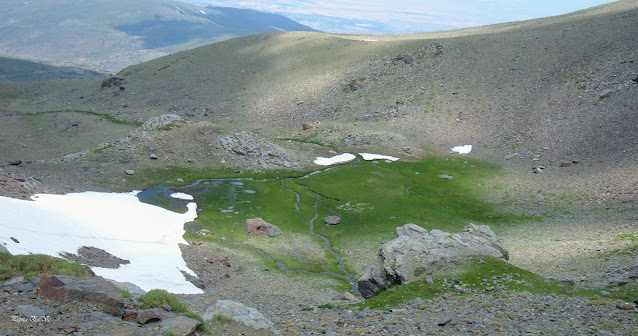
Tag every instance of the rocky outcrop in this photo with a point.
(417, 253)
(257, 227)
(4, 249)
(255, 151)
(96, 290)
(239, 313)
(164, 121)
(93, 256)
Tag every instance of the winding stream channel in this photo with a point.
(344, 274)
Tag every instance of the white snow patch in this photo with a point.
(341, 158)
(120, 224)
(464, 149)
(182, 196)
(370, 157)
(201, 11)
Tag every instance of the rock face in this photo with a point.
(257, 227)
(332, 220)
(96, 290)
(239, 313)
(416, 253)
(250, 150)
(4, 249)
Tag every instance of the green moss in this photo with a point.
(372, 199)
(475, 275)
(37, 265)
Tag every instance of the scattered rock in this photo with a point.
(345, 296)
(446, 176)
(179, 325)
(448, 319)
(129, 315)
(538, 169)
(239, 313)
(153, 157)
(129, 172)
(332, 220)
(565, 164)
(15, 162)
(96, 290)
(112, 81)
(354, 85)
(625, 306)
(203, 232)
(416, 253)
(257, 227)
(15, 240)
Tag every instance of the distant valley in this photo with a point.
(107, 36)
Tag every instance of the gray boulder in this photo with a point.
(4, 249)
(417, 253)
(239, 313)
(179, 325)
(96, 290)
(332, 220)
(258, 227)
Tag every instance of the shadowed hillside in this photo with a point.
(18, 70)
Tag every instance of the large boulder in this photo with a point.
(417, 253)
(4, 249)
(179, 325)
(228, 309)
(258, 227)
(96, 290)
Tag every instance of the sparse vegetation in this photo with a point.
(159, 297)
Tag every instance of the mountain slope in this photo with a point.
(19, 70)
(109, 35)
(555, 90)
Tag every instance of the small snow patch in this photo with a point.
(182, 196)
(464, 149)
(370, 157)
(341, 158)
